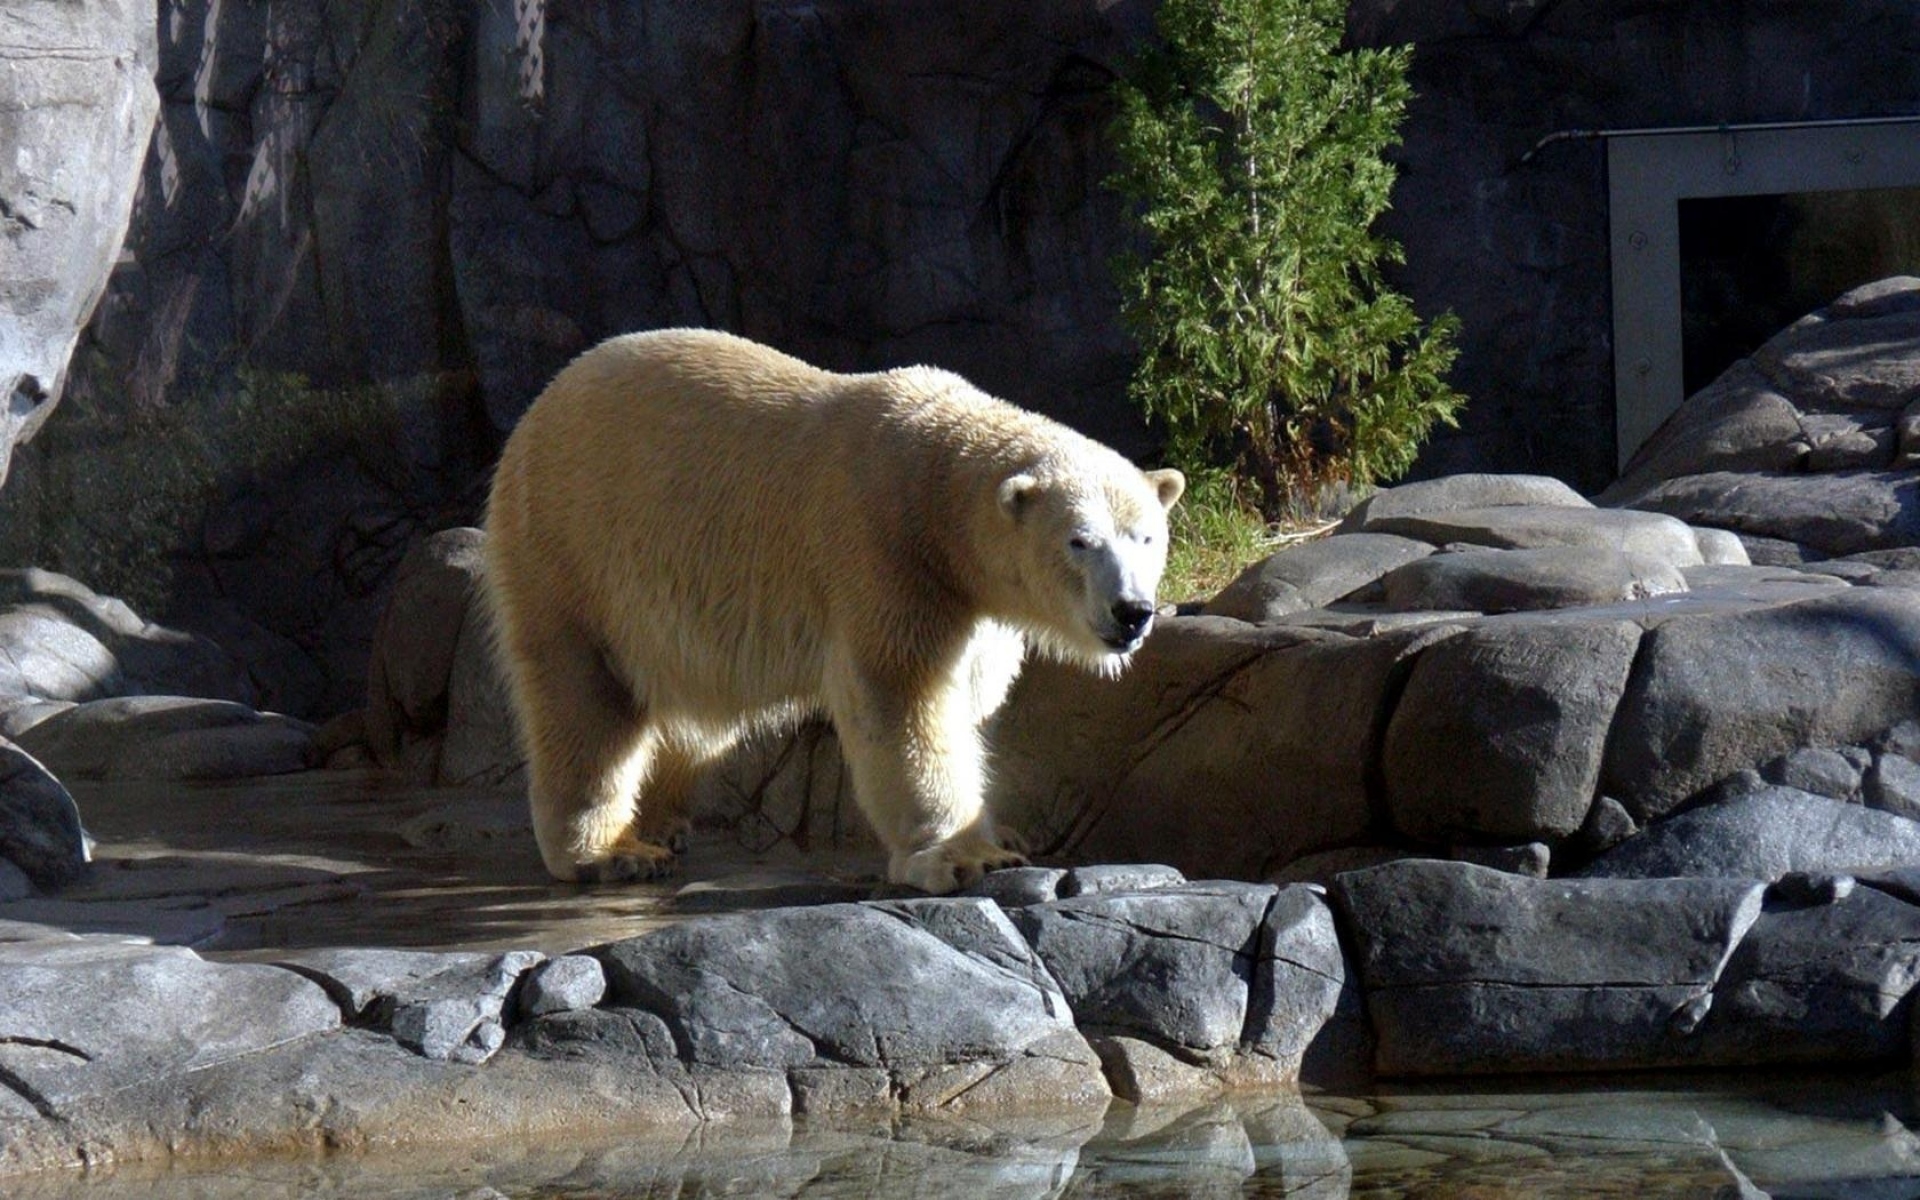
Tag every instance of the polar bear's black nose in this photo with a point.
(1132, 616)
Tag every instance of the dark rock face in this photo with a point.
(1470, 970)
(1826, 982)
(1174, 966)
(76, 106)
(1267, 736)
(40, 829)
(1467, 969)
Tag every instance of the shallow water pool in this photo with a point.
(1807, 1135)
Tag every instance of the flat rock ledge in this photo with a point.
(896, 1006)
(1137, 986)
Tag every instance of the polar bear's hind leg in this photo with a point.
(590, 751)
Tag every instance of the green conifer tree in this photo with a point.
(1252, 146)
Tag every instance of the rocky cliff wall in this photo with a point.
(76, 106)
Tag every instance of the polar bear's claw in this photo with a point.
(952, 865)
(630, 860)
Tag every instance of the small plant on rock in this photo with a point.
(1272, 347)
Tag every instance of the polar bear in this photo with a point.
(691, 534)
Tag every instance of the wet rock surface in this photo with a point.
(1811, 1133)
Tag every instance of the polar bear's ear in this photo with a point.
(1017, 493)
(1169, 484)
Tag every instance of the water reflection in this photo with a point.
(1805, 1136)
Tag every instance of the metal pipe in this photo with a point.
(1587, 135)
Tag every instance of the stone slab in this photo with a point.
(1764, 835)
(1312, 575)
(1721, 691)
(1469, 970)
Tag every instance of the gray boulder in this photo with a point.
(1713, 693)
(1819, 984)
(1312, 575)
(40, 831)
(1181, 967)
(1532, 527)
(1527, 858)
(1803, 447)
(1721, 547)
(1830, 513)
(445, 1007)
(1305, 1011)
(437, 705)
(1451, 492)
(564, 984)
(1017, 887)
(1852, 354)
(151, 1014)
(1738, 423)
(77, 104)
(1497, 581)
(1764, 835)
(1467, 970)
(21, 713)
(1839, 774)
(169, 737)
(844, 985)
(482, 743)
(1501, 730)
(1118, 877)
(1892, 785)
(61, 641)
(415, 646)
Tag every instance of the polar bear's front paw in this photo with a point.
(628, 860)
(673, 834)
(953, 864)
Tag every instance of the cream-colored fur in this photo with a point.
(690, 533)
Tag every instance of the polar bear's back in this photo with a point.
(693, 500)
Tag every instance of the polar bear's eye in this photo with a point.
(1077, 542)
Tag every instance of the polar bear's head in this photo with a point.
(1090, 550)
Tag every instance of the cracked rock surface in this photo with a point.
(1467, 969)
(77, 103)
